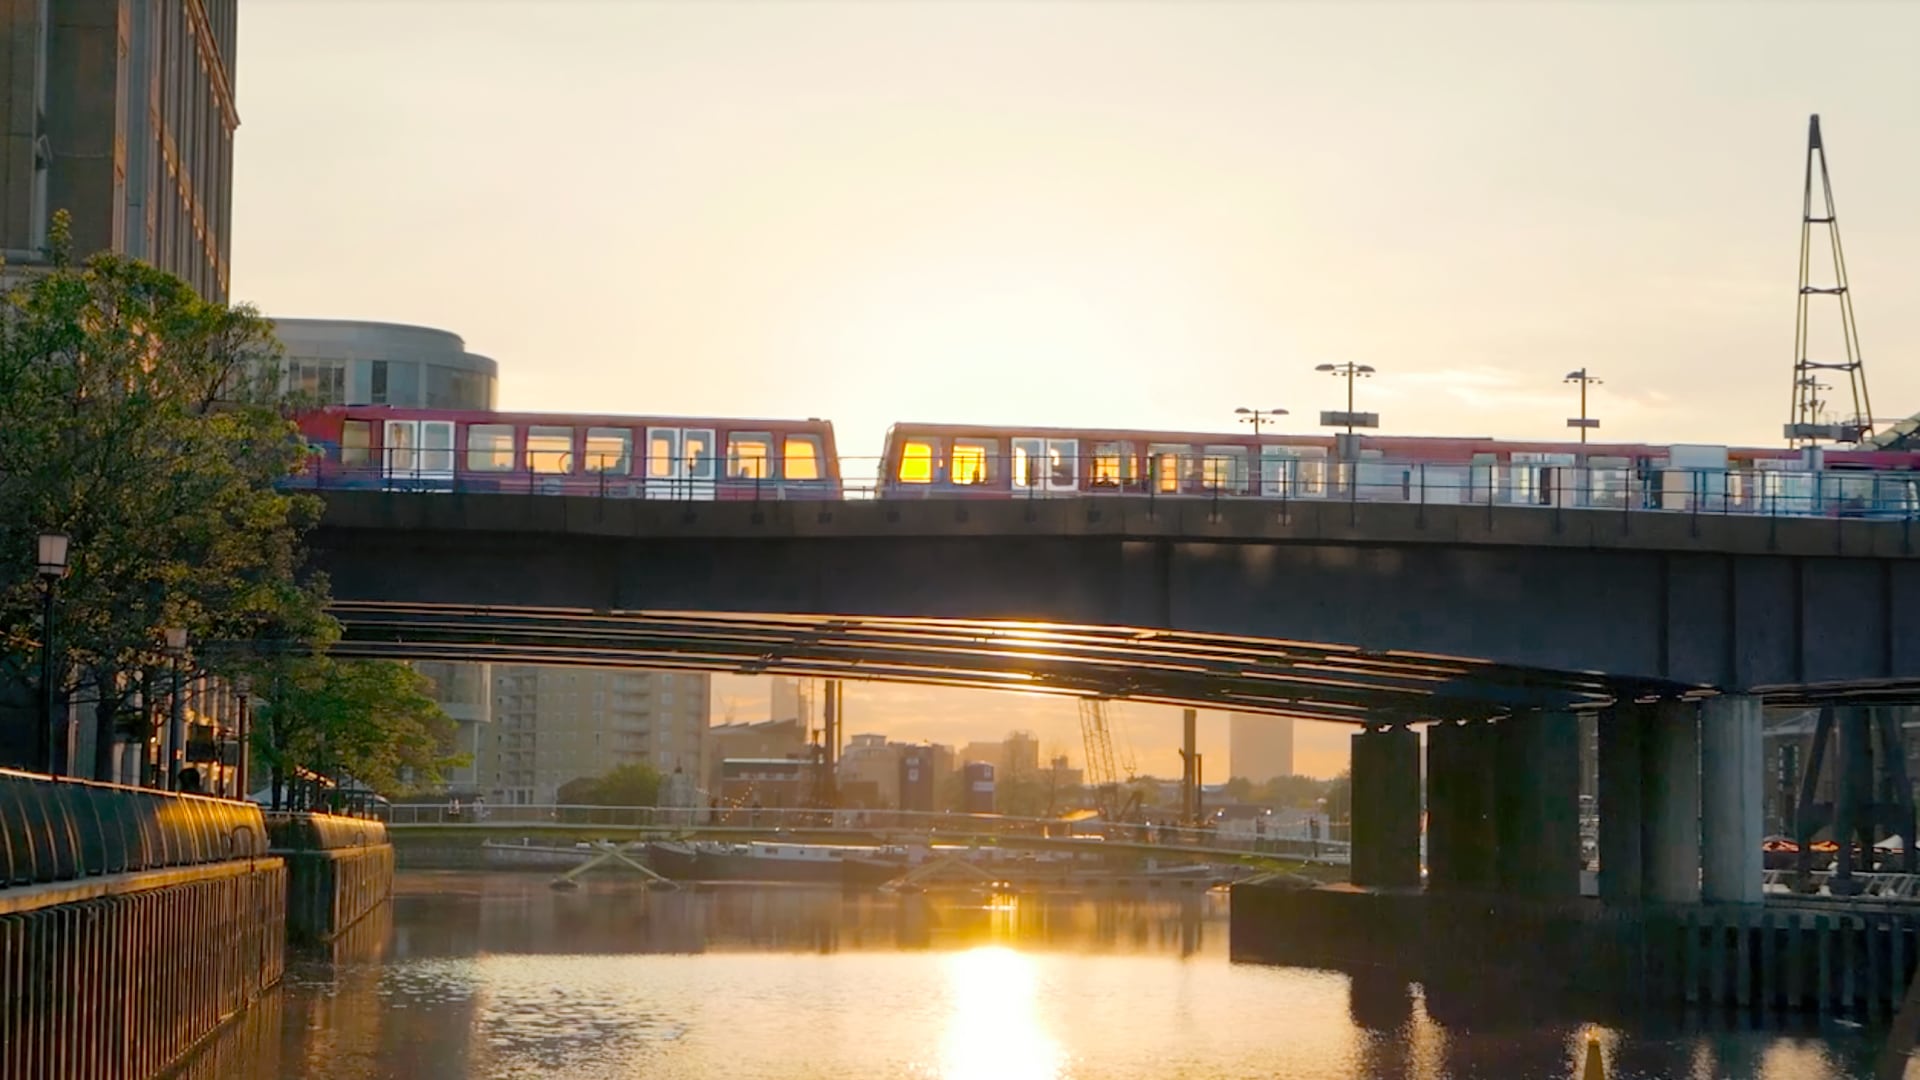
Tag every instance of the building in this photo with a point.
(870, 766)
(465, 692)
(349, 362)
(1260, 747)
(984, 753)
(121, 112)
(1019, 756)
(763, 740)
(553, 724)
(769, 783)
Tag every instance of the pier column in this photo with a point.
(1461, 842)
(1670, 789)
(1386, 808)
(1538, 806)
(1622, 738)
(1732, 815)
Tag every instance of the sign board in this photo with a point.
(1580, 422)
(1831, 432)
(1350, 419)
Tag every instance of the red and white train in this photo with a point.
(721, 458)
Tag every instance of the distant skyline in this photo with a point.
(1140, 215)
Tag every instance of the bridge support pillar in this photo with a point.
(1670, 786)
(1461, 842)
(1732, 816)
(1623, 738)
(1386, 808)
(1538, 805)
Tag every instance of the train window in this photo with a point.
(1112, 464)
(1063, 463)
(400, 443)
(663, 453)
(916, 462)
(490, 447)
(698, 445)
(1026, 462)
(1224, 469)
(1165, 461)
(550, 449)
(800, 459)
(750, 457)
(967, 465)
(436, 446)
(356, 442)
(607, 449)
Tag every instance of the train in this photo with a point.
(719, 458)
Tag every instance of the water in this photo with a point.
(497, 976)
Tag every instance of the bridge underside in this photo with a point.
(1310, 681)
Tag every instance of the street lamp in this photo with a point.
(52, 567)
(176, 639)
(1585, 380)
(1348, 371)
(243, 688)
(1256, 417)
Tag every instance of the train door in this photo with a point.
(681, 463)
(418, 453)
(1695, 478)
(1544, 479)
(1051, 465)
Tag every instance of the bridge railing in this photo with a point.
(1297, 841)
(1621, 486)
(65, 830)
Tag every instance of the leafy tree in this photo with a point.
(143, 422)
(372, 721)
(632, 784)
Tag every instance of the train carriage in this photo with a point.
(981, 461)
(388, 448)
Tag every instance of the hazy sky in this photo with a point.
(1127, 214)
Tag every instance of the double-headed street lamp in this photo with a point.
(52, 567)
(1585, 380)
(176, 649)
(1256, 417)
(1349, 419)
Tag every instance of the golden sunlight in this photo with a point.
(994, 1032)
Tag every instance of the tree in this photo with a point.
(143, 422)
(371, 721)
(632, 784)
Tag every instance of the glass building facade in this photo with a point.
(348, 362)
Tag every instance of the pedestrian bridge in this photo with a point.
(1323, 610)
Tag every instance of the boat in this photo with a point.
(818, 864)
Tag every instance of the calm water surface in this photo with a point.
(497, 976)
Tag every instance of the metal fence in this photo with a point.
(1620, 488)
(64, 830)
(887, 825)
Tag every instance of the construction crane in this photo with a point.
(1103, 771)
(1806, 423)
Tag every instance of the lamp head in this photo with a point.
(176, 638)
(53, 555)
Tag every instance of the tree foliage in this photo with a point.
(632, 784)
(371, 721)
(143, 422)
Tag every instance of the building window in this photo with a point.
(750, 457)
(490, 447)
(802, 457)
(916, 462)
(356, 443)
(607, 449)
(323, 382)
(377, 382)
(550, 450)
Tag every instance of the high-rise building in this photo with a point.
(1260, 747)
(121, 112)
(465, 693)
(554, 724)
(349, 362)
(1020, 755)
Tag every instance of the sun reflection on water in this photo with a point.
(993, 1030)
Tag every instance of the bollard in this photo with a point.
(1596, 1068)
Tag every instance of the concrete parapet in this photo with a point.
(65, 830)
(122, 975)
(338, 870)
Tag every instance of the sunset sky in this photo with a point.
(1127, 214)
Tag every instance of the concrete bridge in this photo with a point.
(1338, 611)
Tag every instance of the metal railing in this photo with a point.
(64, 830)
(1851, 493)
(885, 825)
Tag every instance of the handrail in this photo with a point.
(58, 829)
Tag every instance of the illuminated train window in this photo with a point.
(968, 465)
(916, 462)
(801, 460)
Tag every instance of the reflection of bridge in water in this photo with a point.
(860, 827)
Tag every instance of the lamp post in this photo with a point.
(176, 638)
(1349, 371)
(243, 688)
(52, 567)
(1585, 380)
(1256, 417)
